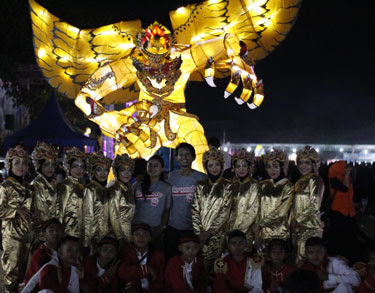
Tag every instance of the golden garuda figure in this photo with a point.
(122, 62)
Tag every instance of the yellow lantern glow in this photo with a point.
(121, 62)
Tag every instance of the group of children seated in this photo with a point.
(58, 265)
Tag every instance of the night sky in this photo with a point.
(318, 82)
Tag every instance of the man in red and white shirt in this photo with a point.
(142, 265)
(53, 232)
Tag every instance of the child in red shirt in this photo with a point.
(53, 232)
(142, 266)
(185, 273)
(276, 270)
(100, 270)
(60, 274)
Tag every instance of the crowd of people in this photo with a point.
(258, 226)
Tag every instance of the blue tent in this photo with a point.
(52, 127)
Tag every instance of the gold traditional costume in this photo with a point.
(275, 202)
(210, 211)
(121, 201)
(245, 201)
(16, 232)
(70, 196)
(95, 204)
(44, 203)
(306, 207)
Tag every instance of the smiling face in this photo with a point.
(154, 168)
(125, 174)
(101, 172)
(305, 166)
(77, 169)
(241, 168)
(214, 167)
(20, 166)
(273, 169)
(185, 157)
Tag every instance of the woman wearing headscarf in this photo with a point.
(309, 191)
(276, 198)
(70, 192)
(211, 208)
(245, 200)
(121, 199)
(16, 230)
(44, 203)
(95, 200)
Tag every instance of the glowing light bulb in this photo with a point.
(41, 53)
(180, 10)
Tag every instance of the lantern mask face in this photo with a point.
(155, 42)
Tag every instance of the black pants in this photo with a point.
(172, 236)
(342, 237)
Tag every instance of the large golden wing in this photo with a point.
(260, 24)
(67, 56)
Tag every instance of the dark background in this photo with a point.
(318, 82)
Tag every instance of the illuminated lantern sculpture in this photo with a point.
(122, 62)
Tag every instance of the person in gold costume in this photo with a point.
(95, 202)
(121, 201)
(70, 192)
(16, 230)
(309, 191)
(44, 203)
(211, 208)
(245, 201)
(276, 198)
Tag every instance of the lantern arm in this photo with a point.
(104, 82)
(240, 70)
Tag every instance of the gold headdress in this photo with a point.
(213, 154)
(95, 159)
(155, 42)
(72, 153)
(280, 156)
(243, 155)
(122, 160)
(12, 153)
(43, 151)
(308, 152)
(276, 155)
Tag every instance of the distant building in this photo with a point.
(357, 153)
(12, 117)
